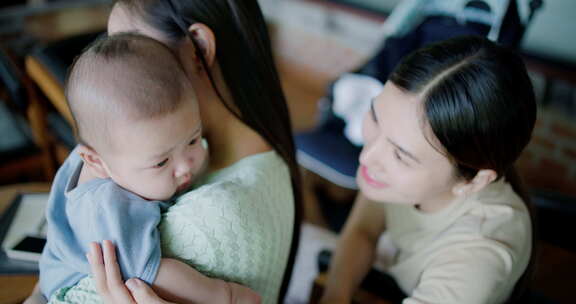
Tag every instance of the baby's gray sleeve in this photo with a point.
(130, 222)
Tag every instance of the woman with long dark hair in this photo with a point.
(225, 48)
(437, 175)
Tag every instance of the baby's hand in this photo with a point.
(243, 295)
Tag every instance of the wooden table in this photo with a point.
(15, 288)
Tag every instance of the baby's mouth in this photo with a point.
(184, 186)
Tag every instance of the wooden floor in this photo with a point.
(307, 63)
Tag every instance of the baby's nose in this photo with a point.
(183, 170)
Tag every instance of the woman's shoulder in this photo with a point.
(496, 217)
(254, 171)
(496, 226)
(250, 169)
(500, 206)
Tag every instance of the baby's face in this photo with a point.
(156, 158)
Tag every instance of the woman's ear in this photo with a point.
(93, 161)
(205, 41)
(482, 179)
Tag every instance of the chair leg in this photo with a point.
(317, 289)
(61, 152)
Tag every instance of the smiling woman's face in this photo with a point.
(398, 164)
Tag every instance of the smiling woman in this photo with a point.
(398, 164)
(437, 175)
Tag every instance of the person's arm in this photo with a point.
(36, 297)
(181, 283)
(356, 250)
(112, 289)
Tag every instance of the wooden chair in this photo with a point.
(49, 115)
(21, 160)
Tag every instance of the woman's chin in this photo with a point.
(382, 195)
(377, 195)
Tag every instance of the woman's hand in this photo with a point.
(109, 282)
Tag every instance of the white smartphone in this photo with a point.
(28, 248)
(26, 235)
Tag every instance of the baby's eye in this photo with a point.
(195, 140)
(161, 164)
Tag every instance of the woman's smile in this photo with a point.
(370, 180)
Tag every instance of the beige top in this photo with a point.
(473, 251)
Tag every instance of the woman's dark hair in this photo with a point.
(480, 105)
(244, 54)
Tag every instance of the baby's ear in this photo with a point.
(93, 161)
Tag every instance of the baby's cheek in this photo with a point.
(155, 188)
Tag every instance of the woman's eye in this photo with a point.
(398, 156)
(373, 112)
(195, 140)
(373, 116)
(161, 164)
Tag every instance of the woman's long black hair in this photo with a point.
(244, 54)
(480, 105)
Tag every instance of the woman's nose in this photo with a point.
(371, 156)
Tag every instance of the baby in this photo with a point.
(139, 133)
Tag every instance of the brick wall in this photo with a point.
(549, 161)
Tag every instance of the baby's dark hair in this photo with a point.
(123, 77)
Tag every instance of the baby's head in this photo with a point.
(136, 116)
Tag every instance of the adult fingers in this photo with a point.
(114, 283)
(98, 271)
(113, 275)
